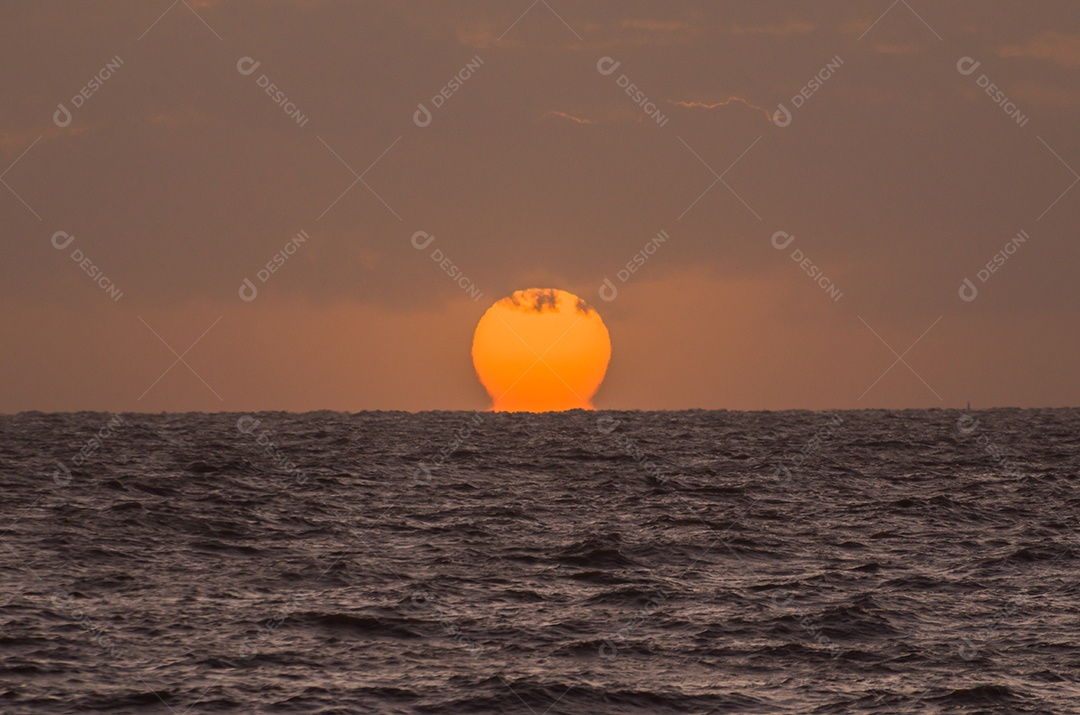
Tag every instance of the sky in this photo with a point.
(825, 205)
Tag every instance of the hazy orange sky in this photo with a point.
(157, 155)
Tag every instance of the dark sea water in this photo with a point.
(678, 562)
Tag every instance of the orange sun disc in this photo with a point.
(541, 350)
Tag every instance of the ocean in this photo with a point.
(919, 561)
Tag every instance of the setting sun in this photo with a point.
(541, 350)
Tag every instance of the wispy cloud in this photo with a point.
(788, 29)
(1051, 46)
(564, 115)
(649, 25)
(15, 141)
(651, 32)
(723, 103)
(895, 49)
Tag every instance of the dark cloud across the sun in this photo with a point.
(535, 300)
(539, 300)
